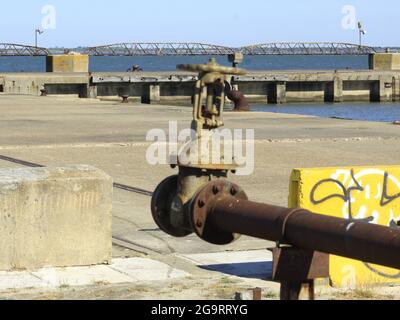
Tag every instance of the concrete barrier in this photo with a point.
(384, 61)
(370, 193)
(55, 217)
(67, 63)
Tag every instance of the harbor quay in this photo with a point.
(89, 201)
(111, 136)
(199, 163)
(275, 87)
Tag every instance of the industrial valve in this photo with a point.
(211, 87)
(199, 162)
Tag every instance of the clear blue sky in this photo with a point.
(232, 23)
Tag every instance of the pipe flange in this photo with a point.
(202, 205)
(161, 207)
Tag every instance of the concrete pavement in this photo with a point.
(111, 136)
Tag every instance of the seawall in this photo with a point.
(169, 87)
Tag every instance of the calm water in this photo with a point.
(368, 112)
(121, 64)
(379, 112)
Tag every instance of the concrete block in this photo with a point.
(370, 193)
(276, 92)
(386, 89)
(55, 217)
(384, 61)
(67, 63)
(152, 94)
(338, 89)
(236, 58)
(281, 92)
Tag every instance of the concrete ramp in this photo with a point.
(54, 217)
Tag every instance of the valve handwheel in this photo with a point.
(210, 67)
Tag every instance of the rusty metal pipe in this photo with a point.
(300, 228)
(239, 100)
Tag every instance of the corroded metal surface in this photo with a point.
(352, 239)
(209, 88)
(240, 101)
(200, 211)
(199, 161)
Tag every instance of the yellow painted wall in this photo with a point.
(371, 193)
(67, 63)
(385, 61)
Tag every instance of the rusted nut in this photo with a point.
(199, 224)
(233, 191)
(257, 294)
(43, 93)
(201, 204)
(215, 190)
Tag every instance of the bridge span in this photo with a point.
(307, 48)
(12, 49)
(198, 49)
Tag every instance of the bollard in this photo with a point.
(125, 98)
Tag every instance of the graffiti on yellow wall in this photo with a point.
(371, 194)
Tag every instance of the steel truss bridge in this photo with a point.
(12, 49)
(195, 49)
(307, 48)
(160, 49)
(181, 49)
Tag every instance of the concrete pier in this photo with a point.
(152, 94)
(171, 87)
(337, 89)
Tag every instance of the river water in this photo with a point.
(378, 112)
(149, 63)
(364, 111)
